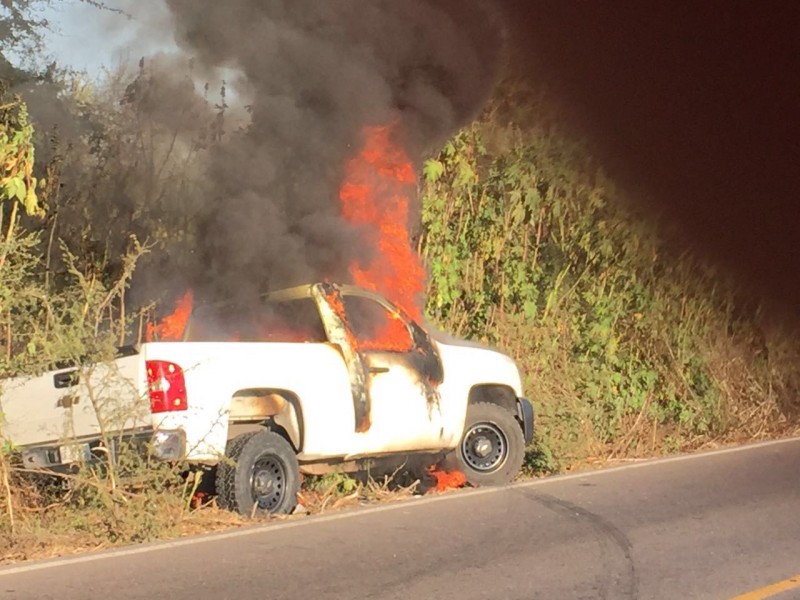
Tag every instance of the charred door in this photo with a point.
(403, 373)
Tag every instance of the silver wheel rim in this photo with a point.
(268, 482)
(485, 447)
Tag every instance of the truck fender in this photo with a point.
(255, 406)
(504, 396)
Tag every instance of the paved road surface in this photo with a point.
(709, 526)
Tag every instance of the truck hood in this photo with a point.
(451, 340)
(478, 362)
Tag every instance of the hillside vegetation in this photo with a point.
(629, 345)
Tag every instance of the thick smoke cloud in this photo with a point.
(313, 74)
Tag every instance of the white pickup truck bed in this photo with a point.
(53, 417)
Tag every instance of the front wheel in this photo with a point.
(260, 475)
(492, 448)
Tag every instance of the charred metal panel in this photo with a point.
(425, 357)
(331, 310)
(421, 363)
(267, 407)
(249, 405)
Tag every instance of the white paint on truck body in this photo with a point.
(402, 420)
(36, 410)
(215, 371)
(466, 367)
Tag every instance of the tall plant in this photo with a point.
(17, 189)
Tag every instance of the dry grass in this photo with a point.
(49, 525)
(337, 491)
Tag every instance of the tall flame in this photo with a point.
(377, 190)
(171, 327)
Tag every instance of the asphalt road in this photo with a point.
(714, 525)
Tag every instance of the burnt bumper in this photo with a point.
(61, 458)
(525, 416)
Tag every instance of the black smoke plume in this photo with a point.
(312, 74)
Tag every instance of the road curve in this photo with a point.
(713, 525)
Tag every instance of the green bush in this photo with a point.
(627, 345)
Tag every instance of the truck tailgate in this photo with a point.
(70, 404)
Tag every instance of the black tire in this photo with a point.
(260, 475)
(492, 447)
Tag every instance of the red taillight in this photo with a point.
(166, 386)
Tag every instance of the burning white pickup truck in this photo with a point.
(322, 377)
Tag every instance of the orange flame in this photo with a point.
(171, 327)
(376, 193)
(447, 480)
(392, 336)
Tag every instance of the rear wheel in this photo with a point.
(259, 476)
(492, 448)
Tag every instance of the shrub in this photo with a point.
(628, 344)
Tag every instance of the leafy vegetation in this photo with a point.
(55, 308)
(17, 188)
(628, 348)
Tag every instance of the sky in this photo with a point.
(89, 39)
(693, 106)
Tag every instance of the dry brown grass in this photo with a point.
(50, 525)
